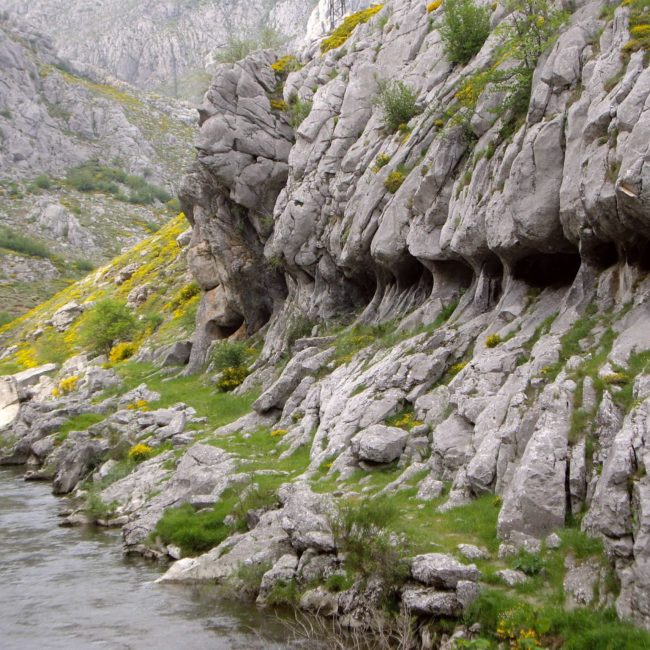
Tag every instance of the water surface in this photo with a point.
(71, 588)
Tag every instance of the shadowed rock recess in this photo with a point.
(468, 351)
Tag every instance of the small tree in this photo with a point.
(107, 322)
(397, 101)
(465, 27)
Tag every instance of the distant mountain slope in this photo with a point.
(155, 44)
(85, 168)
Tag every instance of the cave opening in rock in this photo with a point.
(412, 274)
(638, 253)
(453, 273)
(493, 272)
(216, 331)
(547, 269)
(603, 255)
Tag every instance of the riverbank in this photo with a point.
(72, 588)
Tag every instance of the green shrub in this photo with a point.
(91, 176)
(283, 594)
(229, 354)
(107, 322)
(5, 318)
(360, 532)
(22, 244)
(529, 563)
(397, 102)
(298, 111)
(43, 182)
(492, 341)
(465, 27)
(85, 266)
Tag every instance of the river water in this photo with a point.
(71, 588)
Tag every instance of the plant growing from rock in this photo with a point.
(347, 26)
(140, 452)
(394, 181)
(465, 27)
(360, 529)
(398, 103)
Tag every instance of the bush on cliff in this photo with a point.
(106, 323)
(465, 27)
(397, 101)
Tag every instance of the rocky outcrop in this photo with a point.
(528, 241)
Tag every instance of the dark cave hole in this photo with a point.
(547, 270)
(603, 255)
(493, 271)
(638, 254)
(413, 274)
(217, 332)
(454, 272)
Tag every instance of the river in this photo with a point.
(71, 588)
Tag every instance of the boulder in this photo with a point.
(429, 602)
(379, 443)
(440, 570)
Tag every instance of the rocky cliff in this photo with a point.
(451, 313)
(533, 245)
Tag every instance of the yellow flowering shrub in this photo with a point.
(432, 6)
(140, 452)
(68, 384)
(278, 433)
(231, 378)
(457, 367)
(405, 421)
(26, 357)
(140, 405)
(394, 181)
(345, 29)
(279, 105)
(121, 351)
(492, 340)
(286, 64)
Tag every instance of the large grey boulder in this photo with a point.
(440, 570)
(77, 458)
(379, 443)
(429, 602)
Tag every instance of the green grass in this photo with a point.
(195, 532)
(218, 408)
(579, 629)
(78, 423)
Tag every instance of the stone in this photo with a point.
(429, 488)
(471, 552)
(512, 577)
(282, 572)
(379, 443)
(429, 602)
(66, 315)
(580, 581)
(319, 601)
(440, 570)
(553, 541)
(178, 354)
